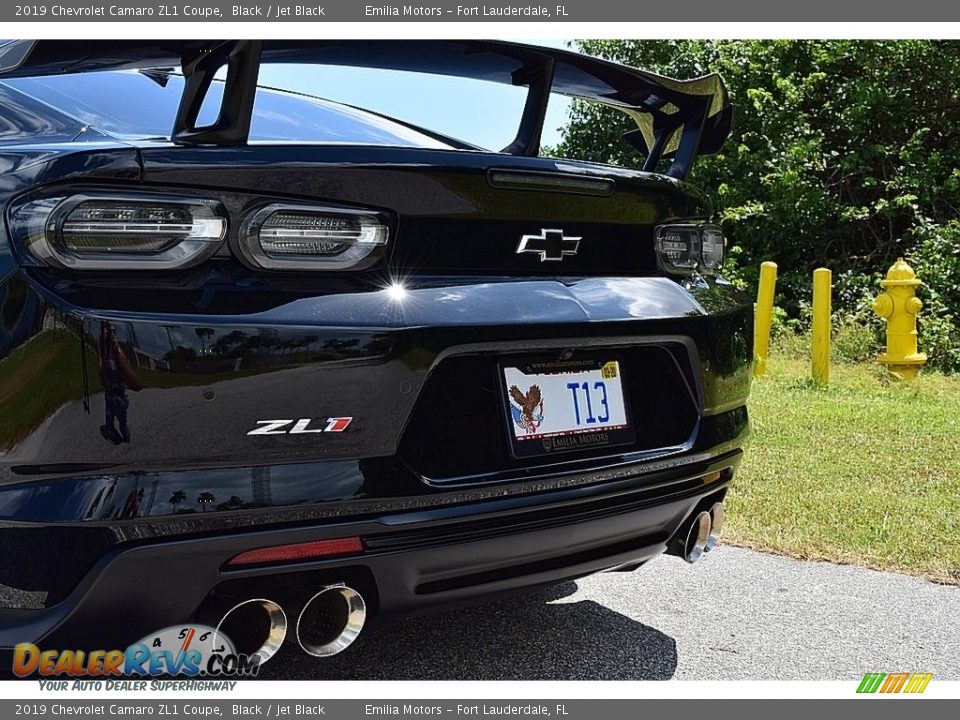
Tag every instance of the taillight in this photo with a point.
(711, 247)
(113, 232)
(683, 249)
(302, 237)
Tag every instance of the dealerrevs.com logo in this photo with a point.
(185, 650)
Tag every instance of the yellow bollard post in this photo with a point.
(822, 279)
(763, 317)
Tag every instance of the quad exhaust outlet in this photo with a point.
(717, 517)
(255, 627)
(331, 620)
(699, 537)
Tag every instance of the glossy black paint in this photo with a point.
(206, 380)
(221, 346)
(449, 217)
(415, 560)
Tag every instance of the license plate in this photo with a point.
(555, 407)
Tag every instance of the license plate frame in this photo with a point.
(583, 440)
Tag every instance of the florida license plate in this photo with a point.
(555, 407)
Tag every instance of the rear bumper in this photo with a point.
(413, 561)
(105, 540)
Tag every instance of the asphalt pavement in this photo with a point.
(736, 615)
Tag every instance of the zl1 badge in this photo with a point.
(303, 426)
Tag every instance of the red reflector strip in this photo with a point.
(298, 551)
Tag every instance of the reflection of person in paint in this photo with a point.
(117, 376)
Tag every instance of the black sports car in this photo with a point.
(268, 361)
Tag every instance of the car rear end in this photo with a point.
(274, 384)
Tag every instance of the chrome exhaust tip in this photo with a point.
(331, 620)
(717, 517)
(696, 542)
(255, 627)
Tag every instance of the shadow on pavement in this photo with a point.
(525, 638)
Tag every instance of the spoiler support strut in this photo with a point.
(232, 126)
(540, 80)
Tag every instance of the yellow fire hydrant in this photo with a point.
(899, 305)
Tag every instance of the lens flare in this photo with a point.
(396, 291)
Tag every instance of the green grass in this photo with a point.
(866, 471)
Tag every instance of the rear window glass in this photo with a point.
(134, 105)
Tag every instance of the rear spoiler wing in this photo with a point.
(676, 119)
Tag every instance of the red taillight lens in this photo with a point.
(298, 551)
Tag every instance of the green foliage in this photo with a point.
(844, 154)
(856, 339)
(935, 257)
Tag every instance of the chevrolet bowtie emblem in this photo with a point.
(549, 244)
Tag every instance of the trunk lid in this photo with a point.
(455, 211)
